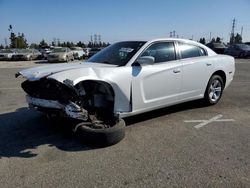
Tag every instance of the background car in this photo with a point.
(45, 52)
(78, 52)
(93, 51)
(218, 47)
(238, 50)
(60, 55)
(27, 54)
(6, 54)
(86, 50)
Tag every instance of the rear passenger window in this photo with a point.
(188, 51)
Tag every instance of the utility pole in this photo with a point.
(210, 37)
(171, 34)
(95, 39)
(232, 32)
(174, 33)
(241, 32)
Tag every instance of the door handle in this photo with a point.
(208, 64)
(176, 71)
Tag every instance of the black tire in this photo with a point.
(241, 55)
(214, 99)
(102, 137)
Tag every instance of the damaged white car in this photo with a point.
(129, 78)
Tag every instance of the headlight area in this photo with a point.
(87, 101)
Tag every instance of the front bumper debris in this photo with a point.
(71, 109)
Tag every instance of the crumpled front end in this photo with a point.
(49, 95)
(86, 101)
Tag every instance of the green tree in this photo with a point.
(80, 44)
(213, 40)
(238, 38)
(13, 41)
(218, 39)
(34, 45)
(1, 46)
(43, 44)
(202, 41)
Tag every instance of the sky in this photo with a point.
(116, 20)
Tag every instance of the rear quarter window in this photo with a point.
(189, 51)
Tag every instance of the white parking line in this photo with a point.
(205, 122)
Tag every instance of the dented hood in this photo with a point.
(37, 73)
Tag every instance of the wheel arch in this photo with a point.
(222, 74)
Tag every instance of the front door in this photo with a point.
(159, 84)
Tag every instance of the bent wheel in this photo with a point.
(102, 137)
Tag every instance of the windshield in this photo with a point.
(117, 54)
(56, 50)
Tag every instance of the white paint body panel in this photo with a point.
(143, 88)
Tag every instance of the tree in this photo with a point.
(80, 44)
(213, 40)
(13, 41)
(90, 44)
(18, 41)
(43, 44)
(202, 41)
(235, 39)
(218, 39)
(34, 45)
(238, 38)
(1, 46)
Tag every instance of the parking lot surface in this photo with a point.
(187, 145)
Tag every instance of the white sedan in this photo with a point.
(129, 78)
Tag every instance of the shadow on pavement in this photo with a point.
(41, 62)
(25, 130)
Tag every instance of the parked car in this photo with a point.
(60, 54)
(238, 50)
(78, 52)
(6, 54)
(247, 43)
(45, 52)
(93, 51)
(218, 47)
(26, 54)
(125, 79)
(86, 50)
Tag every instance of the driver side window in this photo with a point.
(162, 52)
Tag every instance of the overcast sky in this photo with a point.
(115, 20)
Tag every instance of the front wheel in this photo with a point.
(214, 90)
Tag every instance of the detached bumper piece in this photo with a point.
(71, 109)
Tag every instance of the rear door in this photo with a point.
(197, 69)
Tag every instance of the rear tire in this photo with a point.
(214, 90)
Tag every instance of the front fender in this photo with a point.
(115, 78)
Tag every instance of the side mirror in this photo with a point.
(146, 60)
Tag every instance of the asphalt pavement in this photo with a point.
(186, 145)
